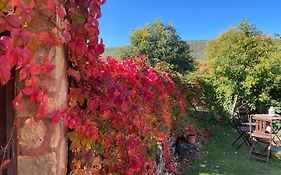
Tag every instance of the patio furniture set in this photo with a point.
(259, 132)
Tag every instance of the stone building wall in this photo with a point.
(42, 147)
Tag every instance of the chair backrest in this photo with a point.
(235, 120)
(263, 124)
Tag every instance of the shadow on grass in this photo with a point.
(222, 158)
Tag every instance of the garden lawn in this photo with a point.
(222, 158)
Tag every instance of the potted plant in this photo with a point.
(190, 134)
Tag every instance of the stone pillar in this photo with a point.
(42, 147)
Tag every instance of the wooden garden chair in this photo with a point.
(261, 135)
(242, 130)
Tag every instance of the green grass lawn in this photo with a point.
(222, 158)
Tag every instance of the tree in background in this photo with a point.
(245, 62)
(160, 42)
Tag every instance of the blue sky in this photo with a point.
(193, 19)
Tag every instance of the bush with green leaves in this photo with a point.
(159, 42)
(244, 61)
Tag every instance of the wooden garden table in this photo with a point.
(275, 117)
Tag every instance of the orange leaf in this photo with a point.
(43, 37)
(29, 121)
(15, 2)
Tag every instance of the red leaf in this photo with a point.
(74, 73)
(125, 106)
(79, 47)
(5, 68)
(42, 97)
(99, 48)
(33, 81)
(5, 43)
(65, 26)
(18, 97)
(92, 105)
(28, 82)
(43, 37)
(19, 56)
(60, 11)
(3, 24)
(23, 74)
(136, 163)
(4, 75)
(51, 4)
(32, 99)
(26, 38)
(5, 163)
(28, 91)
(15, 2)
(118, 123)
(41, 110)
(14, 20)
(35, 69)
(57, 114)
(48, 66)
(54, 39)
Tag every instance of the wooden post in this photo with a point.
(234, 105)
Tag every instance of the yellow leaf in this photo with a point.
(80, 99)
(2, 5)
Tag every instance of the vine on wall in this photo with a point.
(118, 111)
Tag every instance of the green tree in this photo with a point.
(246, 62)
(159, 42)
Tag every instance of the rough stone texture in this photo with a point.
(62, 158)
(185, 152)
(39, 165)
(32, 136)
(26, 113)
(52, 104)
(181, 149)
(42, 148)
(55, 137)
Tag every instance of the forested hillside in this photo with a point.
(197, 46)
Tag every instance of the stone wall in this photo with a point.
(42, 147)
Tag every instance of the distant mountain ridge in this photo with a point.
(198, 48)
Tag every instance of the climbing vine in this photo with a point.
(118, 111)
(17, 48)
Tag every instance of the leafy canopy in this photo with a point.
(246, 62)
(160, 42)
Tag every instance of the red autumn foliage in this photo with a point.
(118, 110)
(16, 51)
